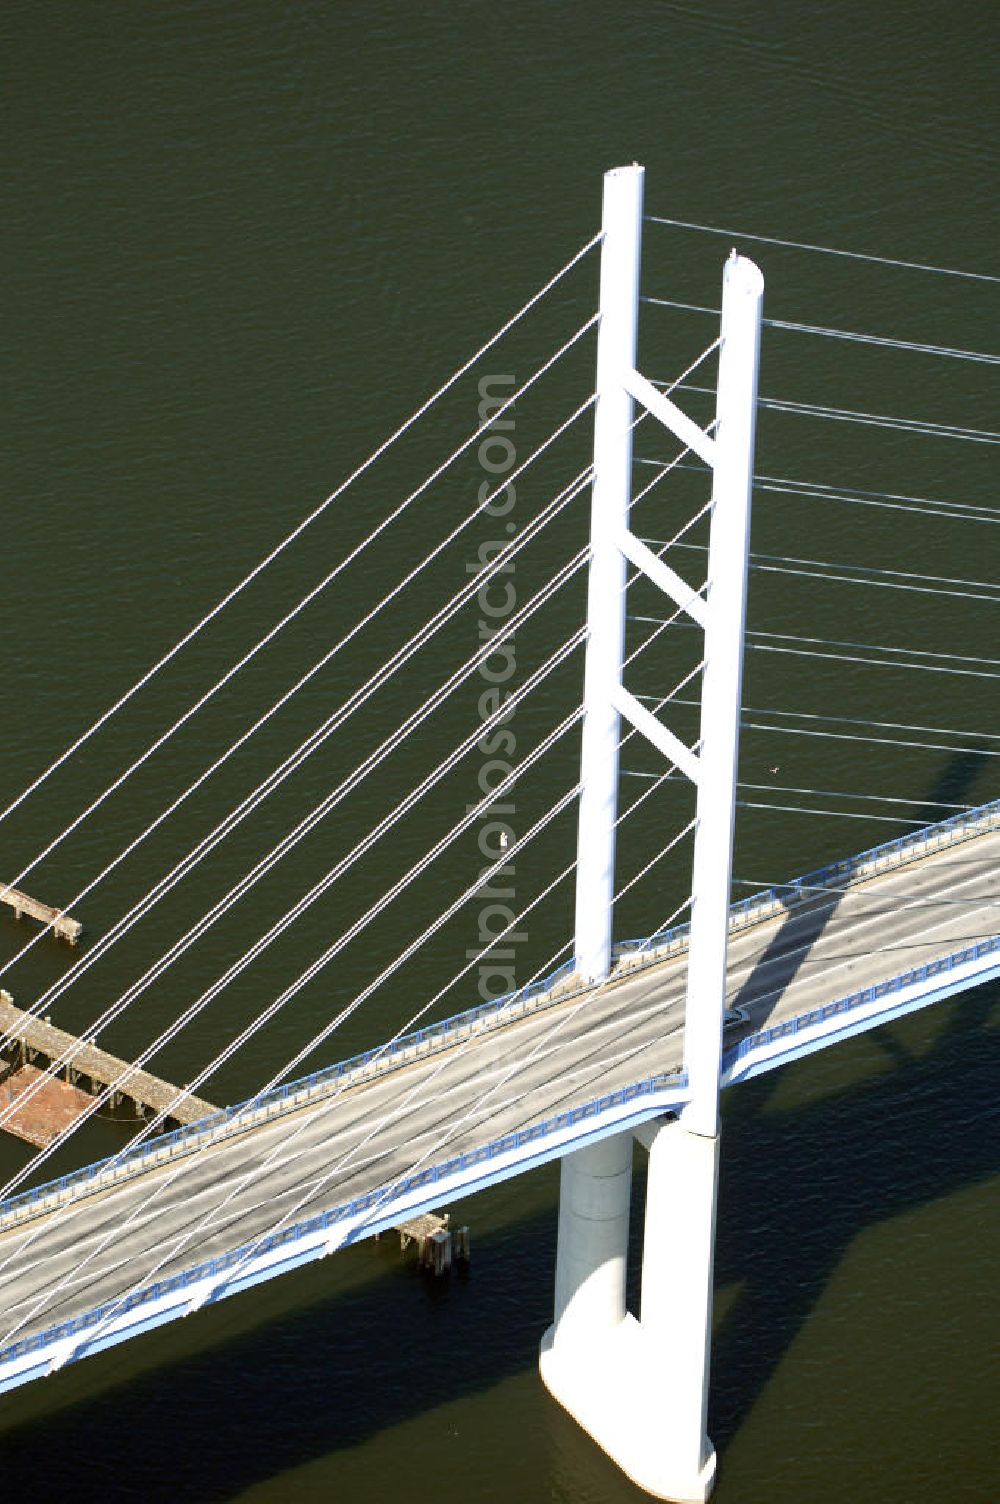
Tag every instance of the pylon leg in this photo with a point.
(639, 1388)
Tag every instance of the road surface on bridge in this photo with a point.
(53, 1268)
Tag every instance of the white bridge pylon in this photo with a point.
(641, 1387)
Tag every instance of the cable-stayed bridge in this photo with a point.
(606, 1039)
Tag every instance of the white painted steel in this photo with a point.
(672, 417)
(654, 731)
(665, 578)
(616, 348)
(721, 613)
(742, 303)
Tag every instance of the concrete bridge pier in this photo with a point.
(639, 1388)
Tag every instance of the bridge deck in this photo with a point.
(496, 1082)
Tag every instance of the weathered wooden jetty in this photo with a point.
(52, 1107)
(436, 1240)
(62, 924)
(30, 1041)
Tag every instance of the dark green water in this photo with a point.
(244, 242)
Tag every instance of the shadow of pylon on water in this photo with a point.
(798, 1188)
(956, 781)
(771, 1179)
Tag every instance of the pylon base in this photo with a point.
(626, 1397)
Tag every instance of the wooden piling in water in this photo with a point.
(436, 1242)
(437, 1252)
